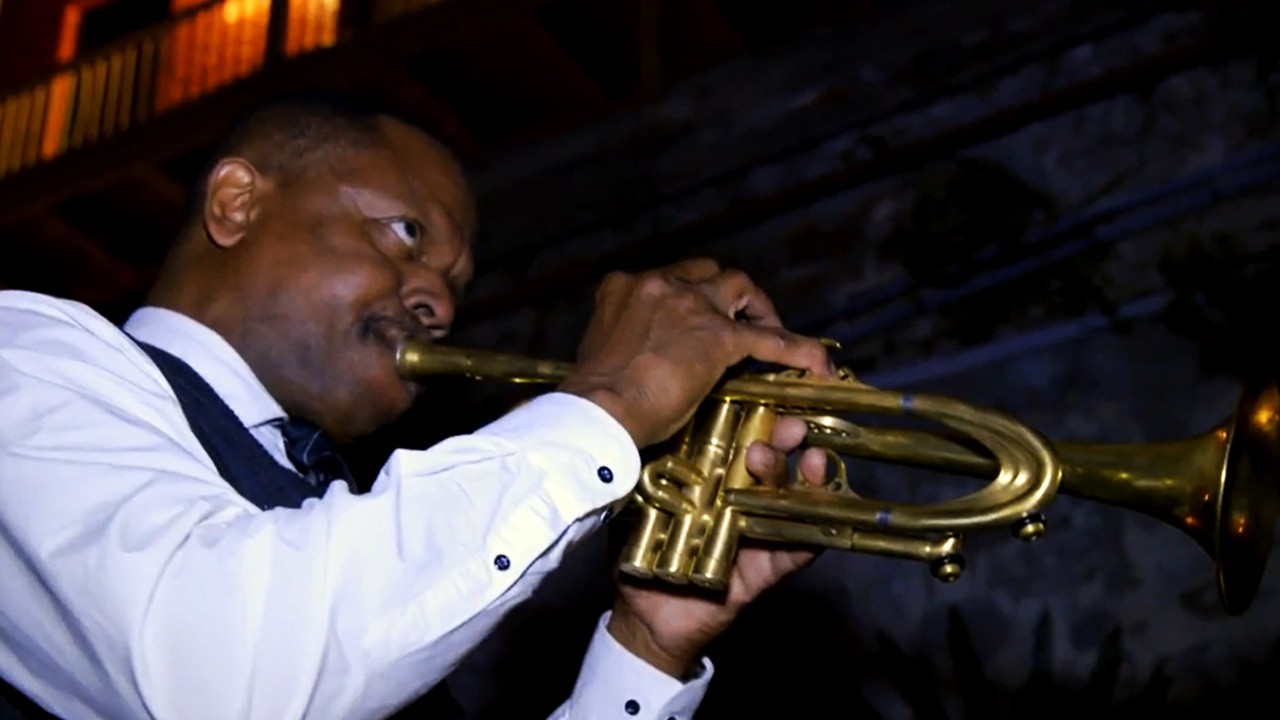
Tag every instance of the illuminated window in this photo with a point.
(122, 61)
(228, 40)
(211, 47)
(312, 24)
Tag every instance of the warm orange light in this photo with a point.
(207, 45)
(211, 47)
(56, 115)
(69, 33)
(1264, 417)
(313, 24)
(233, 11)
(58, 111)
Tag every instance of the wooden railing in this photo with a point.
(197, 51)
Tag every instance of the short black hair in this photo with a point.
(289, 136)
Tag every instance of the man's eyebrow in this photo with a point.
(386, 203)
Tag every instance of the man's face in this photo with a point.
(345, 263)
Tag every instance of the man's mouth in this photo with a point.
(391, 333)
(385, 330)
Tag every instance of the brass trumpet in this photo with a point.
(695, 503)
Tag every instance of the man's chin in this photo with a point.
(380, 387)
(395, 391)
(413, 390)
(379, 409)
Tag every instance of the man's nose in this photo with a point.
(429, 298)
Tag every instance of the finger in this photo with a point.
(760, 566)
(614, 286)
(768, 461)
(813, 467)
(733, 293)
(767, 464)
(788, 432)
(774, 345)
(693, 270)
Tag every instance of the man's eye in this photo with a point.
(408, 230)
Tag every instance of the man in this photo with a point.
(168, 549)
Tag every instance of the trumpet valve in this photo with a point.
(640, 554)
(679, 549)
(1030, 528)
(715, 561)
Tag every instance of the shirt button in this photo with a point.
(502, 562)
(632, 707)
(605, 474)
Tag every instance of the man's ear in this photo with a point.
(235, 188)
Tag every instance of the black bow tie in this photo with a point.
(313, 454)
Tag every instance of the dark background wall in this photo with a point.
(1061, 214)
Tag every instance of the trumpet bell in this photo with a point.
(1243, 521)
(1221, 487)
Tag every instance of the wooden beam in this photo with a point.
(520, 83)
(422, 104)
(158, 185)
(676, 40)
(715, 27)
(51, 256)
(556, 72)
(649, 44)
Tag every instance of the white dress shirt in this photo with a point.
(138, 583)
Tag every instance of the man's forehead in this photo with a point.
(416, 173)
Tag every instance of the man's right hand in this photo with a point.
(659, 341)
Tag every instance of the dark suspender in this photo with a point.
(240, 458)
(255, 475)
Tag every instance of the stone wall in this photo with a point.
(984, 208)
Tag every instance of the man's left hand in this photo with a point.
(669, 627)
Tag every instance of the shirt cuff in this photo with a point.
(615, 684)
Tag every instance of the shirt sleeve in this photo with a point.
(138, 584)
(614, 684)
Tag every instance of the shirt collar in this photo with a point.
(212, 357)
